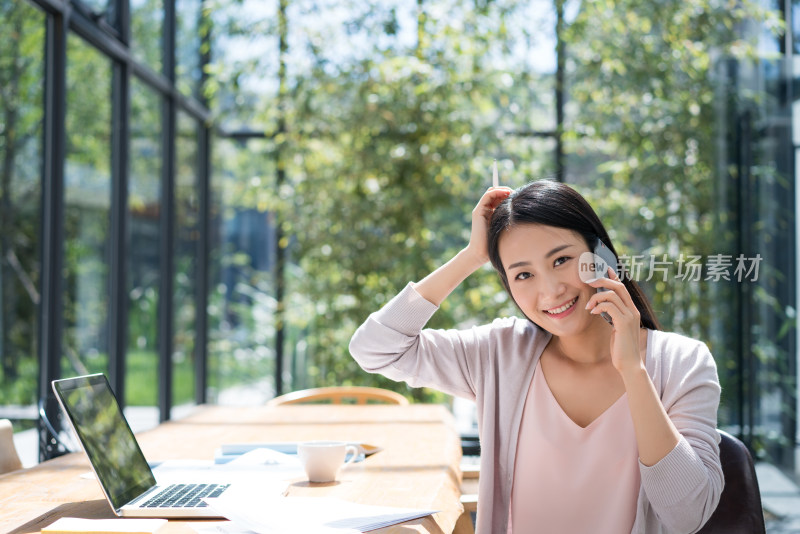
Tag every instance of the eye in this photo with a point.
(561, 260)
(523, 276)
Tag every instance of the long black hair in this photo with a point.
(556, 204)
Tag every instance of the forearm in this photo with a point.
(656, 435)
(440, 283)
(394, 343)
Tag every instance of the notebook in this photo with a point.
(117, 461)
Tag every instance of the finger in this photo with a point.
(621, 319)
(617, 313)
(498, 192)
(623, 292)
(604, 297)
(605, 283)
(494, 196)
(610, 281)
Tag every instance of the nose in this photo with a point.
(551, 289)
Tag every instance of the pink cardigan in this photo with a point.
(493, 364)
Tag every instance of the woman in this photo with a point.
(586, 426)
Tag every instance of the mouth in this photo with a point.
(562, 310)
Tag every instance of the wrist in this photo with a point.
(471, 258)
(633, 373)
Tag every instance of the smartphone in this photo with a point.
(603, 259)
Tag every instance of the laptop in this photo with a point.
(117, 461)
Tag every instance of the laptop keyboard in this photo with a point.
(184, 496)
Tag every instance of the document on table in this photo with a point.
(261, 465)
(233, 451)
(306, 515)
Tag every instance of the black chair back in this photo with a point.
(739, 510)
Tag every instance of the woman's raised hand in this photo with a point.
(481, 215)
(440, 283)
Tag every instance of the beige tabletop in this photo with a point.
(417, 468)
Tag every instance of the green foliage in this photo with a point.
(654, 102)
(87, 177)
(21, 94)
(144, 199)
(384, 118)
(241, 308)
(390, 139)
(381, 191)
(643, 91)
(147, 25)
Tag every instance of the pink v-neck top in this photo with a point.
(570, 479)
(494, 364)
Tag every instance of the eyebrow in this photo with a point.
(549, 254)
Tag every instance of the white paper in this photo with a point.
(289, 448)
(219, 527)
(307, 515)
(77, 524)
(272, 477)
(261, 457)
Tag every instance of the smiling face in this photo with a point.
(542, 266)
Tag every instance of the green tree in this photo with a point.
(390, 131)
(21, 72)
(642, 89)
(392, 150)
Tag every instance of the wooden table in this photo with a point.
(419, 466)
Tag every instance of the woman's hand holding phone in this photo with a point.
(618, 304)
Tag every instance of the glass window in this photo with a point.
(245, 65)
(755, 324)
(187, 234)
(87, 198)
(97, 6)
(770, 219)
(21, 85)
(795, 14)
(147, 27)
(188, 55)
(144, 207)
(241, 307)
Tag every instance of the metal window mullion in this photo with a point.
(749, 387)
(167, 220)
(123, 20)
(787, 252)
(561, 63)
(116, 48)
(167, 262)
(52, 6)
(119, 243)
(201, 294)
(794, 368)
(52, 231)
(203, 249)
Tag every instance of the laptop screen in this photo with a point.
(106, 437)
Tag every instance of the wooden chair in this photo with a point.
(335, 395)
(739, 510)
(469, 499)
(9, 459)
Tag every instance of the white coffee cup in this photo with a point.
(323, 459)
